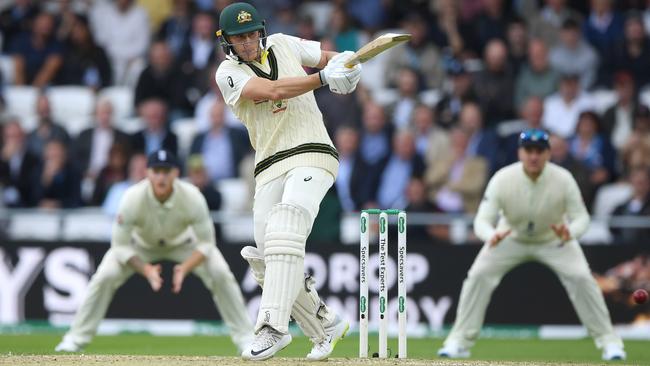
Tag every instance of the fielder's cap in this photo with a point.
(162, 159)
(534, 137)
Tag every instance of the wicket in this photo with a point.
(383, 289)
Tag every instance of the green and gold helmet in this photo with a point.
(239, 18)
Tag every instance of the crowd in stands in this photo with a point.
(494, 68)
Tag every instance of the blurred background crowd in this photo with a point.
(89, 87)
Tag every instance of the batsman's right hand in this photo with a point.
(341, 79)
(152, 274)
(497, 237)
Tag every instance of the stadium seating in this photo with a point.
(122, 99)
(72, 106)
(21, 101)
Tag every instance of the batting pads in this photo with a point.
(287, 228)
(310, 313)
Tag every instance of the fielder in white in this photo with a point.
(161, 218)
(264, 82)
(540, 215)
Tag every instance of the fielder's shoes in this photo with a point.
(335, 333)
(453, 350)
(613, 352)
(267, 343)
(68, 345)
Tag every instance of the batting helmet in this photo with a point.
(239, 18)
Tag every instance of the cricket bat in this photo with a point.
(375, 47)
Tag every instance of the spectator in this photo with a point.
(561, 155)
(370, 13)
(431, 141)
(455, 183)
(603, 26)
(38, 54)
(537, 78)
(517, 41)
(65, 20)
(155, 135)
(284, 18)
(592, 149)
(548, 22)
(449, 107)
(408, 88)
(416, 195)
(203, 108)
(561, 109)
(198, 176)
(125, 44)
(157, 11)
(17, 19)
(84, 63)
(638, 205)
(573, 55)
(46, 129)
(137, 172)
(222, 148)
(56, 182)
(531, 117)
(16, 165)
(345, 35)
(175, 30)
(161, 80)
(482, 141)
(92, 146)
(631, 53)
(618, 119)
(356, 184)
(418, 54)
(376, 136)
(491, 23)
(636, 150)
(402, 165)
(494, 85)
(113, 172)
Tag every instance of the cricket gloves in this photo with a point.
(341, 79)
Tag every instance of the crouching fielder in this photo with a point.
(161, 218)
(541, 216)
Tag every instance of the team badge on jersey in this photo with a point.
(279, 106)
(244, 17)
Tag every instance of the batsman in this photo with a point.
(264, 82)
(532, 210)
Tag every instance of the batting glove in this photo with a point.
(336, 61)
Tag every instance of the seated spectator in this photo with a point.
(482, 141)
(376, 136)
(114, 171)
(198, 176)
(356, 183)
(494, 85)
(126, 44)
(56, 182)
(46, 129)
(346, 36)
(561, 110)
(401, 110)
(402, 165)
(631, 53)
(537, 78)
(17, 19)
(176, 28)
(38, 54)
(561, 155)
(203, 108)
(161, 80)
(574, 55)
(16, 165)
(222, 148)
(449, 107)
(455, 183)
(618, 119)
(594, 150)
(637, 147)
(93, 144)
(490, 24)
(84, 62)
(155, 135)
(546, 24)
(531, 117)
(416, 195)
(431, 141)
(603, 27)
(517, 40)
(137, 172)
(638, 205)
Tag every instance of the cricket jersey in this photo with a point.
(529, 207)
(286, 133)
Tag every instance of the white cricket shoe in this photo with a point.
(68, 345)
(267, 343)
(334, 333)
(613, 352)
(453, 350)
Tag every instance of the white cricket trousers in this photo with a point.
(567, 261)
(214, 272)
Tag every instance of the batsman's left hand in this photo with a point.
(179, 277)
(562, 232)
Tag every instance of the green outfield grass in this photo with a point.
(570, 351)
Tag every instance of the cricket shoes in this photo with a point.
(68, 345)
(334, 333)
(267, 343)
(453, 350)
(613, 352)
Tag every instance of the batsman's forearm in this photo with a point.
(195, 259)
(137, 264)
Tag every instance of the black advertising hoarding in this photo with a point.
(45, 280)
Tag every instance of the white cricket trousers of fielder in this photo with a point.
(303, 188)
(214, 272)
(567, 261)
